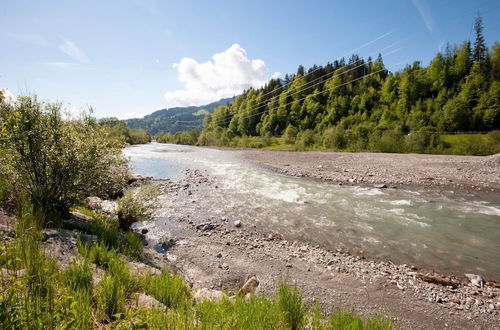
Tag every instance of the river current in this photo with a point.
(445, 231)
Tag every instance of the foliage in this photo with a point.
(290, 304)
(119, 130)
(137, 205)
(175, 119)
(184, 137)
(78, 276)
(168, 289)
(357, 105)
(58, 161)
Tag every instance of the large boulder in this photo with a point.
(207, 294)
(142, 300)
(98, 204)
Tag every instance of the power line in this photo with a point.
(227, 119)
(305, 87)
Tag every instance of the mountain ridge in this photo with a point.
(176, 119)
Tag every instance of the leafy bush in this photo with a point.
(137, 205)
(58, 160)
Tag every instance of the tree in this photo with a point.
(480, 49)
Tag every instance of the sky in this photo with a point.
(129, 58)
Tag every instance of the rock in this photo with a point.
(208, 294)
(205, 226)
(167, 244)
(237, 223)
(146, 301)
(8, 274)
(77, 221)
(140, 269)
(138, 179)
(144, 231)
(49, 233)
(95, 203)
(250, 285)
(380, 186)
(219, 255)
(475, 280)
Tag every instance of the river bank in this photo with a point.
(468, 173)
(220, 249)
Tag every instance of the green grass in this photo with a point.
(78, 276)
(472, 144)
(44, 297)
(169, 289)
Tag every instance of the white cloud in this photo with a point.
(425, 13)
(72, 50)
(58, 65)
(30, 38)
(157, 61)
(8, 97)
(227, 74)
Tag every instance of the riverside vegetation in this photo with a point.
(359, 105)
(49, 166)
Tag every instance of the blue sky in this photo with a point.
(129, 58)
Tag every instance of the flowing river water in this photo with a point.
(444, 231)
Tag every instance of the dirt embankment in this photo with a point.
(440, 171)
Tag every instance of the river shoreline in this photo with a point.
(219, 250)
(478, 174)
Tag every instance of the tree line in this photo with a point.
(359, 105)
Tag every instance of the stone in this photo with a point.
(49, 233)
(107, 206)
(208, 294)
(250, 285)
(144, 231)
(167, 244)
(475, 280)
(146, 301)
(141, 269)
(77, 221)
(205, 226)
(237, 223)
(219, 255)
(380, 186)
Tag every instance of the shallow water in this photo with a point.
(440, 230)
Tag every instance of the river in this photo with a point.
(445, 231)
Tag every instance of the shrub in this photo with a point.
(334, 138)
(58, 160)
(137, 205)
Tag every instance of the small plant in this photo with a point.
(170, 290)
(290, 303)
(78, 276)
(132, 245)
(110, 296)
(137, 205)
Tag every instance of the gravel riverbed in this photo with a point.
(220, 250)
(474, 173)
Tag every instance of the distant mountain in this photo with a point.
(177, 119)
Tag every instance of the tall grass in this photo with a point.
(170, 290)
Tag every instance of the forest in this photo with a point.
(358, 105)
